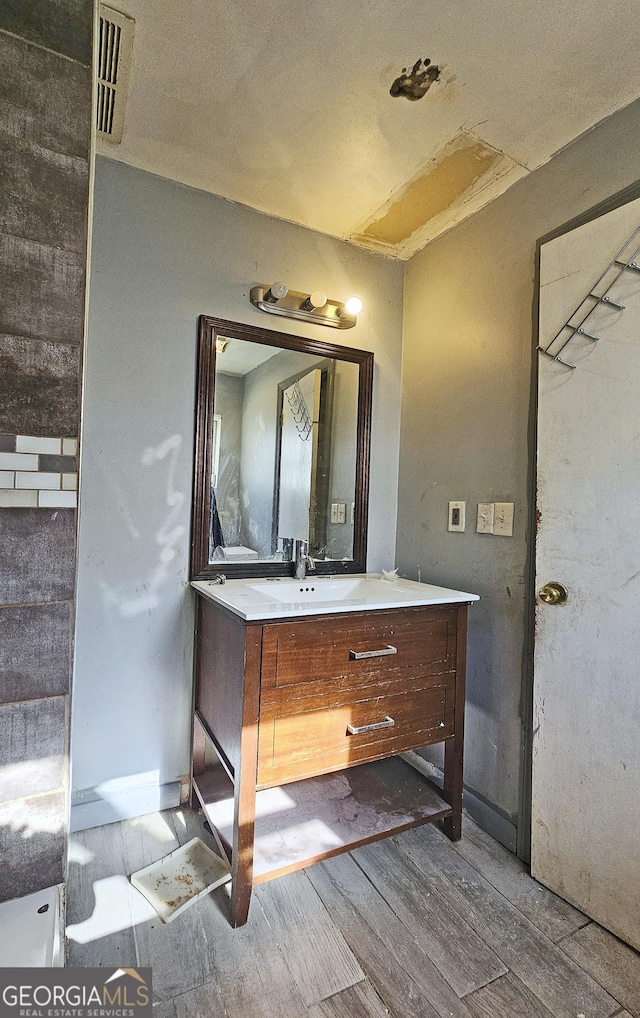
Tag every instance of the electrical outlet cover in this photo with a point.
(457, 516)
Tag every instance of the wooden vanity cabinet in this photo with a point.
(308, 717)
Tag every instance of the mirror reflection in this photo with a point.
(283, 463)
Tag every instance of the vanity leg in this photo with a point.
(240, 901)
(242, 854)
(452, 825)
(454, 747)
(198, 745)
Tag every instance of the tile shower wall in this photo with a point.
(45, 114)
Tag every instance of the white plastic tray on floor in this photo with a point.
(175, 882)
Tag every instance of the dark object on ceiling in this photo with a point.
(416, 83)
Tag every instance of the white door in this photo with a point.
(298, 433)
(586, 748)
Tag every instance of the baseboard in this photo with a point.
(491, 819)
(486, 815)
(89, 808)
(31, 930)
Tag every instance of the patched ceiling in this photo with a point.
(286, 107)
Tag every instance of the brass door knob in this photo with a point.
(553, 593)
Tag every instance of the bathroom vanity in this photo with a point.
(308, 691)
(311, 694)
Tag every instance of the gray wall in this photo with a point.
(45, 112)
(163, 254)
(465, 405)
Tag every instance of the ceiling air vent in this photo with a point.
(115, 41)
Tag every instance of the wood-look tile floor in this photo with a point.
(411, 927)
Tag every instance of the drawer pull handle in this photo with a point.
(387, 723)
(358, 655)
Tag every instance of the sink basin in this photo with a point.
(323, 588)
(254, 599)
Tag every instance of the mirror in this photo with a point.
(282, 452)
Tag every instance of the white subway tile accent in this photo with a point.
(57, 499)
(23, 485)
(31, 443)
(38, 479)
(15, 461)
(15, 499)
(69, 446)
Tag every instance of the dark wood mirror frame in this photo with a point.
(209, 330)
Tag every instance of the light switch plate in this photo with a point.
(338, 512)
(503, 519)
(486, 511)
(457, 512)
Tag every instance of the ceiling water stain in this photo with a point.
(436, 189)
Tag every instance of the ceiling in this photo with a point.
(239, 357)
(285, 107)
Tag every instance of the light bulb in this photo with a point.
(353, 306)
(276, 292)
(317, 299)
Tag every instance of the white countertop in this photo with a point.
(283, 597)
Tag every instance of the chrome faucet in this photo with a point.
(303, 560)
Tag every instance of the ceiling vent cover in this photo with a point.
(115, 42)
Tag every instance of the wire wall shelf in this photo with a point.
(599, 295)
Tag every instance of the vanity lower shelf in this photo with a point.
(302, 822)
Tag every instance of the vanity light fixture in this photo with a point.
(310, 307)
(221, 344)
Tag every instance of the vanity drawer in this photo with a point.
(318, 734)
(345, 653)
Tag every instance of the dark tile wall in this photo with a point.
(45, 118)
(33, 740)
(43, 193)
(37, 556)
(35, 641)
(44, 98)
(38, 826)
(64, 26)
(38, 387)
(44, 291)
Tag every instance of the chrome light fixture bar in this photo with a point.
(309, 307)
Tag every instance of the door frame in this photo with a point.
(623, 197)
